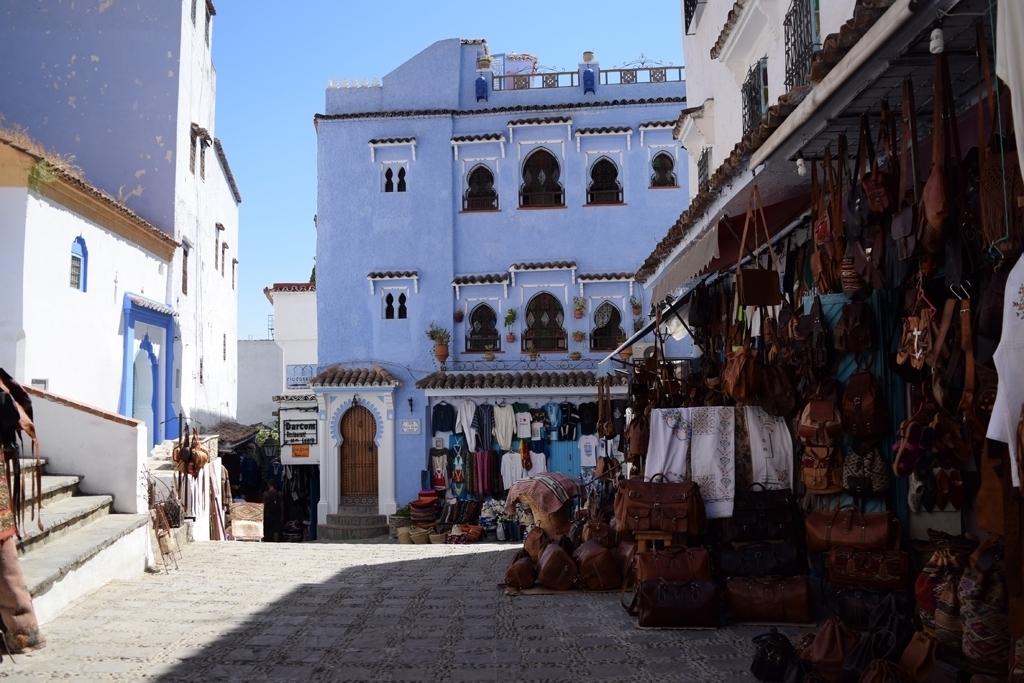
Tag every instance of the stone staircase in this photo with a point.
(83, 544)
(353, 522)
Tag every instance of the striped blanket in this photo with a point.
(550, 490)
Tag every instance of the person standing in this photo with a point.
(273, 513)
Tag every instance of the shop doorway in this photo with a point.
(358, 456)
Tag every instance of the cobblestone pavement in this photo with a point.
(362, 612)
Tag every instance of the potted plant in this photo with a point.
(459, 315)
(579, 336)
(401, 518)
(489, 352)
(637, 306)
(483, 62)
(626, 353)
(588, 56)
(579, 304)
(534, 355)
(638, 324)
(510, 320)
(440, 336)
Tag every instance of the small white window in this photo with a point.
(43, 384)
(395, 303)
(393, 177)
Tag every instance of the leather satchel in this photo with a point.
(764, 559)
(821, 469)
(760, 515)
(883, 671)
(659, 506)
(830, 646)
(598, 569)
(880, 186)
(849, 527)
(675, 563)
(676, 604)
(556, 568)
(918, 657)
(867, 568)
(772, 655)
(905, 221)
(742, 374)
(935, 201)
(596, 530)
(770, 598)
(870, 647)
(535, 542)
(757, 286)
(521, 571)
(821, 423)
(864, 406)
(855, 330)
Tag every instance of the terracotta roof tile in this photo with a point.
(657, 124)
(288, 287)
(474, 41)
(488, 279)
(513, 380)
(549, 265)
(233, 433)
(730, 23)
(392, 141)
(223, 158)
(603, 130)
(604, 276)
(336, 376)
(543, 121)
(480, 137)
(393, 275)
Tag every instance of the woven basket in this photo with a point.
(405, 534)
(420, 536)
(438, 538)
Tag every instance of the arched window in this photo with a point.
(607, 328)
(401, 180)
(544, 318)
(480, 196)
(483, 330)
(389, 180)
(604, 183)
(403, 313)
(663, 165)
(79, 264)
(540, 181)
(389, 306)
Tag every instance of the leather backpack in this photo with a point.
(830, 646)
(772, 655)
(521, 572)
(810, 338)
(596, 530)
(556, 569)
(864, 406)
(821, 424)
(535, 542)
(598, 569)
(855, 330)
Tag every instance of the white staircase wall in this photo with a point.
(107, 450)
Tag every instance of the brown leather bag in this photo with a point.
(770, 598)
(676, 604)
(864, 406)
(883, 671)
(880, 185)
(905, 222)
(821, 469)
(675, 563)
(850, 527)
(757, 286)
(556, 569)
(521, 571)
(535, 542)
(764, 559)
(936, 204)
(596, 530)
(821, 423)
(598, 570)
(867, 568)
(659, 506)
(829, 648)
(760, 514)
(855, 330)
(777, 393)
(742, 374)
(918, 658)
(638, 434)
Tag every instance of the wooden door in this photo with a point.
(358, 454)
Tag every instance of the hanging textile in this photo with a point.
(669, 444)
(1010, 63)
(504, 426)
(771, 448)
(1009, 359)
(712, 457)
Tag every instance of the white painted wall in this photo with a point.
(13, 205)
(260, 373)
(109, 454)
(295, 326)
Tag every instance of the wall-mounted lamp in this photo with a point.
(410, 404)
(938, 40)
(801, 165)
(355, 399)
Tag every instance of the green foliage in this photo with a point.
(40, 174)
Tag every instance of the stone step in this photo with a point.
(339, 532)
(62, 517)
(29, 464)
(57, 487)
(357, 520)
(358, 510)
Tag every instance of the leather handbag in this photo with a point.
(776, 392)
(829, 648)
(772, 655)
(675, 563)
(883, 671)
(535, 542)
(521, 571)
(596, 530)
(770, 599)
(821, 469)
(676, 604)
(821, 423)
(757, 286)
(936, 204)
(865, 471)
(556, 568)
(870, 647)
(659, 506)
(598, 569)
(880, 186)
(867, 568)
(855, 330)
(764, 559)
(850, 527)
(742, 374)
(810, 338)
(864, 406)
(918, 658)
(760, 515)
(638, 435)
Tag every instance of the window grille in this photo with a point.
(184, 271)
(755, 94)
(704, 169)
(224, 349)
(663, 166)
(223, 256)
(540, 181)
(690, 11)
(192, 151)
(604, 184)
(544, 331)
(234, 264)
(200, 370)
(79, 265)
(481, 195)
(483, 330)
(76, 271)
(803, 37)
(216, 249)
(202, 160)
(194, 3)
(607, 328)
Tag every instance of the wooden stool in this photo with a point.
(645, 537)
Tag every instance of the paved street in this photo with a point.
(362, 612)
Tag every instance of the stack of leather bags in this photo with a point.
(423, 510)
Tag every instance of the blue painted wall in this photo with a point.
(362, 229)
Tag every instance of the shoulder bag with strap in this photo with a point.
(757, 286)
(904, 222)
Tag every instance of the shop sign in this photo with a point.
(300, 450)
(298, 376)
(299, 432)
(410, 426)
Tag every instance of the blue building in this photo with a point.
(465, 186)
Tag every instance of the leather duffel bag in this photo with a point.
(676, 604)
(867, 568)
(556, 568)
(659, 506)
(673, 563)
(760, 515)
(849, 527)
(598, 569)
(770, 598)
(521, 571)
(764, 559)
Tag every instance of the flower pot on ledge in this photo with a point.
(459, 315)
(637, 310)
(577, 313)
(575, 355)
(489, 356)
(441, 352)
(626, 353)
(510, 338)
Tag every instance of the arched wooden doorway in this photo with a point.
(358, 455)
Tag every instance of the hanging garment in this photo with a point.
(439, 469)
(588, 451)
(457, 465)
(668, 445)
(496, 485)
(540, 462)
(1010, 62)
(1009, 359)
(504, 426)
(275, 471)
(771, 448)
(539, 427)
(524, 425)
(619, 415)
(480, 473)
(511, 469)
(483, 423)
(712, 457)
(250, 472)
(442, 418)
(554, 413)
(464, 422)
(588, 418)
(569, 429)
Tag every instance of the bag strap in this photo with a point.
(938, 109)
(756, 198)
(908, 144)
(940, 340)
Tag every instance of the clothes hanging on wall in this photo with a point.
(588, 451)
(483, 423)
(504, 426)
(464, 422)
(1009, 360)
(442, 418)
(439, 468)
(712, 458)
(554, 416)
(569, 428)
(457, 465)
(669, 444)
(771, 448)
(588, 418)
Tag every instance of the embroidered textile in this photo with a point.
(668, 445)
(712, 457)
(771, 448)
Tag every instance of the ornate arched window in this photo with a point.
(401, 180)
(389, 306)
(403, 312)
(663, 166)
(540, 181)
(607, 328)
(544, 318)
(604, 183)
(480, 195)
(483, 330)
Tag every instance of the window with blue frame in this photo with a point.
(79, 264)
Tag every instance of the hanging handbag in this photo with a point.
(850, 527)
(867, 568)
(764, 559)
(864, 407)
(760, 515)
(659, 506)
(810, 343)
(865, 471)
(905, 221)
(772, 655)
(776, 392)
(757, 286)
(829, 648)
(935, 201)
(770, 599)
(880, 186)
(855, 330)
(742, 374)
(821, 469)
(821, 424)
(676, 604)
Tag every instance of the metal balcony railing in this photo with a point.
(653, 74)
(480, 203)
(554, 79)
(541, 198)
(604, 196)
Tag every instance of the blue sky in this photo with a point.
(273, 62)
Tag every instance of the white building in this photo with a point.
(129, 91)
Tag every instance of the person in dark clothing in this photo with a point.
(273, 513)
